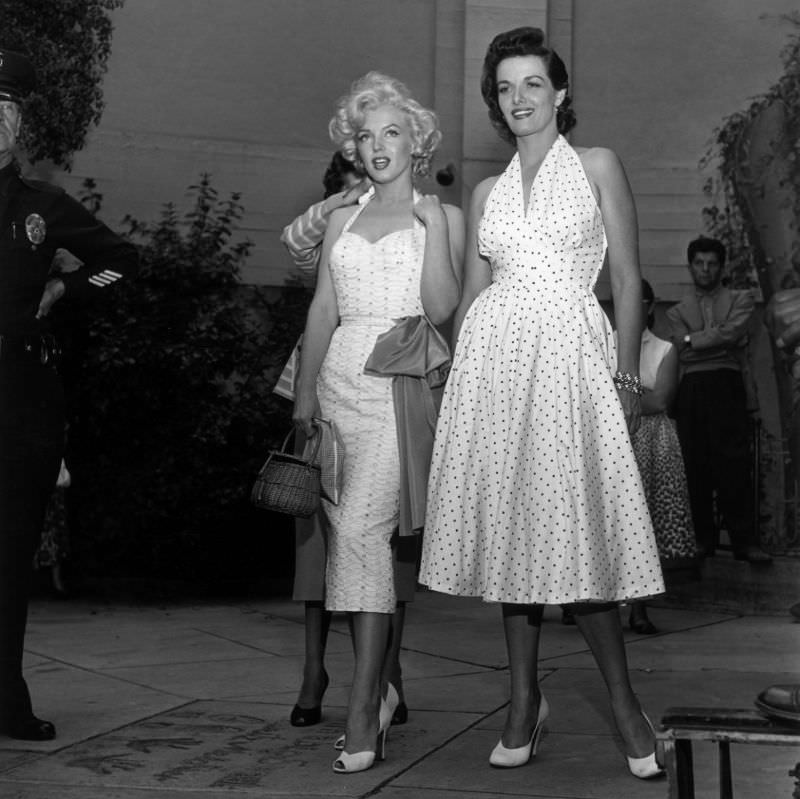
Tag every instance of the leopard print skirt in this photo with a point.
(658, 454)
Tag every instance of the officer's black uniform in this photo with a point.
(35, 219)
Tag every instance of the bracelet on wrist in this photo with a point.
(625, 381)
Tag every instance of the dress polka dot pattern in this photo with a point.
(534, 494)
(376, 283)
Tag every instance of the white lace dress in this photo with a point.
(376, 284)
(534, 492)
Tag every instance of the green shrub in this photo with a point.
(173, 409)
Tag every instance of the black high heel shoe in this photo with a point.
(29, 728)
(567, 616)
(308, 716)
(641, 624)
(400, 715)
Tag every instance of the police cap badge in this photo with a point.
(17, 76)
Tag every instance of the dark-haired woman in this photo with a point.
(658, 453)
(534, 493)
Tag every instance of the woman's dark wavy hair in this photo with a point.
(706, 244)
(521, 42)
(338, 168)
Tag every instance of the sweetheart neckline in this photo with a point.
(381, 238)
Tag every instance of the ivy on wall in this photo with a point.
(729, 215)
(754, 209)
(69, 43)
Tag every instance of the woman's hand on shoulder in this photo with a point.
(429, 210)
(346, 197)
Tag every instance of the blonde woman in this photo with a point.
(396, 256)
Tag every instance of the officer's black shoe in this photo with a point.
(781, 702)
(30, 728)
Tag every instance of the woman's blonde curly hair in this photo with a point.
(375, 89)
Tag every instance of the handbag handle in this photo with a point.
(317, 436)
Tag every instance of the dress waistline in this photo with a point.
(350, 320)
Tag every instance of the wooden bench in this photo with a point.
(680, 726)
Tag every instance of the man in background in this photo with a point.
(709, 328)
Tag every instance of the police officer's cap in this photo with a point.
(17, 76)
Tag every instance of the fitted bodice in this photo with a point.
(378, 280)
(556, 246)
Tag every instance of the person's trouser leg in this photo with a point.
(31, 440)
(692, 411)
(732, 460)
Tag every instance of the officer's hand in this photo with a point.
(53, 292)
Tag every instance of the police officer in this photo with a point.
(35, 219)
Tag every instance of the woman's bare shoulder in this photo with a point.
(598, 161)
(481, 192)
(486, 185)
(336, 222)
(342, 214)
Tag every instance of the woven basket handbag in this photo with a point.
(287, 483)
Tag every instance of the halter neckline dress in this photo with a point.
(534, 494)
(376, 284)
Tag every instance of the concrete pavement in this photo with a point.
(192, 700)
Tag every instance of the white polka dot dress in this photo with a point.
(376, 284)
(534, 493)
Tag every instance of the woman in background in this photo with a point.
(658, 454)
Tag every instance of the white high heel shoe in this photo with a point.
(385, 715)
(361, 761)
(389, 705)
(503, 757)
(645, 768)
